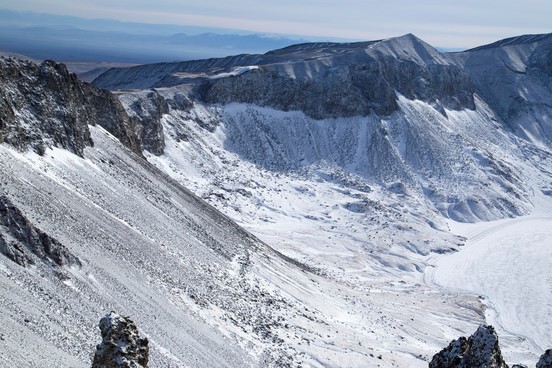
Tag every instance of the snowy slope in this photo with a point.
(514, 77)
(202, 290)
(313, 195)
(125, 224)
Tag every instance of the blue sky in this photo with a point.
(444, 23)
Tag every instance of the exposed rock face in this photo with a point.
(480, 350)
(106, 111)
(346, 89)
(20, 239)
(323, 80)
(45, 105)
(545, 360)
(147, 111)
(121, 346)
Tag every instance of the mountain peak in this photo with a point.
(410, 47)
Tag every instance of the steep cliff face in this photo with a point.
(324, 80)
(45, 105)
(331, 80)
(514, 76)
(146, 111)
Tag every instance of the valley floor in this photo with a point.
(507, 263)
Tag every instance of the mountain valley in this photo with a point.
(286, 209)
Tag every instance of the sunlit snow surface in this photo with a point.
(508, 263)
(204, 292)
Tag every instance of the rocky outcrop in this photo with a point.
(146, 111)
(44, 105)
(121, 346)
(480, 350)
(545, 360)
(107, 111)
(20, 240)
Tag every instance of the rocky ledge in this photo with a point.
(22, 242)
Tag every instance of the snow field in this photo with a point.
(507, 263)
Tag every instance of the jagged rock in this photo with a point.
(19, 239)
(147, 111)
(480, 350)
(545, 360)
(45, 105)
(121, 345)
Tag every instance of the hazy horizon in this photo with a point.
(97, 38)
(443, 24)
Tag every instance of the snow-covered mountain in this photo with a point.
(350, 157)
(345, 161)
(368, 107)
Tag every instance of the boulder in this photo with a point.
(121, 346)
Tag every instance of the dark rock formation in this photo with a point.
(146, 112)
(20, 239)
(347, 89)
(545, 360)
(480, 350)
(121, 345)
(45, 105)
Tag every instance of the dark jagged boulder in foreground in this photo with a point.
(121, 345)
(20, 239)
(480, 350)
(44, 105)
(545, 360)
